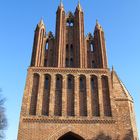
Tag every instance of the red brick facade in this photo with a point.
(70, 92)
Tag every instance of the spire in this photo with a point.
(41, 23)
(112, 68)
(61, 3)
(98, 26)
(61, 6)
(79, 6)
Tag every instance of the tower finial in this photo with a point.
(112, 68)
(98, 26)
(79, 6)
(78, 1)
(96, 21)
(41, 21)
(61, 3)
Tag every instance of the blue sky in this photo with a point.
(18, 18)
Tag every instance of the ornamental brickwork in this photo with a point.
(70, 92)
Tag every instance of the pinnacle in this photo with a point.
(41, 22)
(79, 6)
(97, 23)
(98, 26)
(61, 4)
(112, 68)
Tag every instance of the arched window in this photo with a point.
(46, 95)
(58, 96)
(71, 62)
(83, 96)
(67, 55)
(93, 64)
(92, 84)
(47, 83)
(69, 83)
(92, 47)
(70, 95)
(71, 50)
(45, 62)
(95, 96)
(58, 83)
(67, 62)
(35, 88)
(67, 23)
(106, 96)
(82, 83)
(47, 45)
(67, 48)
(71, 24)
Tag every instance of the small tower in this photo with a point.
(99, 42)
(79, 36)
(38, 53)
(60, 36)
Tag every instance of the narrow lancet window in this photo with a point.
(46, 95)
(106, 96)
(58, 96)
(35, 88)
(83, 96)
(70, 95)
(94, 96)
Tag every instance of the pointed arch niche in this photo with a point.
(46, 94)
(106, 96)
(83, 95)
(70, 95)
(95, 96)
(35, 88)
(58, 95)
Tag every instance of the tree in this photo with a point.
(3, 120)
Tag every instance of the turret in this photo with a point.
(60, 36)
(99, 42)
(38, 53)
(80, 52)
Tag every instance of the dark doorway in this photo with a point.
(70, 136)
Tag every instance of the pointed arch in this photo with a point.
(71, 136)
(95, 96)
(106, 96)
(58, 95)
(34, 94)
(70, 95)
(46, 94)
(83, 95)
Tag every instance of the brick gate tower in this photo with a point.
(70, 92)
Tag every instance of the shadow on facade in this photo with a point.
(102, 136)
(129, 135)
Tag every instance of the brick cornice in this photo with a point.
(69, 70)
(69, 121)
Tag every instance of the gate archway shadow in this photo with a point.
(70, 136)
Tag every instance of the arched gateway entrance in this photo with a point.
(70, 136)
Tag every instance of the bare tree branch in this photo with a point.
(3, 120)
